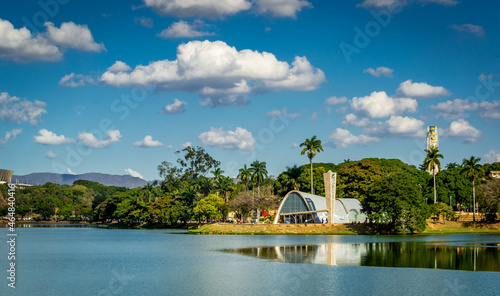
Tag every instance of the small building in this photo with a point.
(6, 176)
(495, 174)
(301, 207)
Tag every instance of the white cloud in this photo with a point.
(395, 4)
(19, 110)
(182, 29)
(351, 119)
(200, 8)
(90, 140)
(380, 71)
(463, 129)
(50, 154)
(70, 171)
(75, 80)
(343, 138)
(314, 116)
(187, 144)
(20, 46)
(485, 77)
(295, 145)
(421, 90)
(144, 21)
(221, 74)
(281, 8)
(47, 137)
(335, 101)
(10, 135)
(241, 139)
(379, 105)
(134, 173)
(458, 108)
(148, 142)
(170, 147)
(469, 28)
(398, 126)
(492, 156)
(73, 36)
(118, 67)
(283, 112)
(176, 107)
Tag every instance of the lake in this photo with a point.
(90, 261)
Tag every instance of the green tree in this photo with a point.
(289, 180)
(471, 169)
(165, 210)
(196, 162)
(395, 204)
(217, 172)
(211, 207)
(432, 163)
(312, 146)
(259, 173)
(442, 209)
(245, 174)
(147, 190)
(489, 198)
(355, 178)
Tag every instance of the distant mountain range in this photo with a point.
(105, 179)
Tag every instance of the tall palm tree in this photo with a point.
(432, 163)
(245, 173)
(471, 169)
(217, 172)
(148, 188)
(312, 146)
(226, 185)
(259, 173)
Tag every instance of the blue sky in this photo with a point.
(118, 86)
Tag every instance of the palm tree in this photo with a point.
(312, 146)
(217, 177)
(148, 188)
(226, 185)
(471, 169)
(244, 175)
(204, 185)
(259, 173)
(431, 162)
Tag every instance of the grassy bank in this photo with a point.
(351, 229)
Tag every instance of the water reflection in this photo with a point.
(475, 257)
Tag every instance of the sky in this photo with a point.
(118, 86)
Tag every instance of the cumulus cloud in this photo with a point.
(281, 8)
(463, 129)
(458, 108)
(335, 101)
(421, 90)
(148, 142)
(202, 8)
(10, 135)
(282, 112)
(21, 110)
(144, 21)
(176, 107)
(343, 138)
(469, 28)
(187, 144)
(21, 46)
(47, 137)
(492, 156)
(221, 74)
(379, 105)
(118, 67)
(240, 138)
(50, 155)
(380, 71)
(90, 140)
(73, 36)
(133, 173)
(75, 80)
(397, 126)
(182, 29)
(69, 171)
(351, 119)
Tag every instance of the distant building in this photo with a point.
(495, 174)
(6, 176)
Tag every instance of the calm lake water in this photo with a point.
(89, 261)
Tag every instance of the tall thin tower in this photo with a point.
(432, 142)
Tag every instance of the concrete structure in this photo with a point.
(6, 176)
(495, 174)
(330, 180)
(301, 207)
